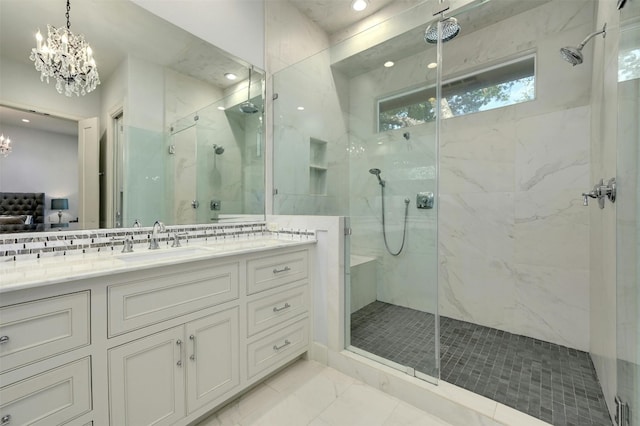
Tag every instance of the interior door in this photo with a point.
(88, 173)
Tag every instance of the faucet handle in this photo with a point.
(176, 238)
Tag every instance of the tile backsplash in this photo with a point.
(15, 247)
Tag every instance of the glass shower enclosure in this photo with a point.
(360, 142)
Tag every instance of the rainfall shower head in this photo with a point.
(573, 55)
(218, 149)
(377, 172)
(450, 29)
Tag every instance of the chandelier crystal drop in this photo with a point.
(5, 146)
(66, 57)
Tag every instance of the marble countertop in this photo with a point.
(23, 274)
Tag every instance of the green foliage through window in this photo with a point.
(507, 84)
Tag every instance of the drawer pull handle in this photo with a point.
(179, 363)
(193, 355)
(286, 305)
(285, 269)
(4, 339)
(6, 419)
(277, 348)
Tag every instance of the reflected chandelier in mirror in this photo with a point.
(150, 159)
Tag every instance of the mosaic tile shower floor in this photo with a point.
(551, 382)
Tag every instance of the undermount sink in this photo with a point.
(167, 253)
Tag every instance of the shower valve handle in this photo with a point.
(586, 196)
(600, 191)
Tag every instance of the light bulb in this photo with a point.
(359, 5)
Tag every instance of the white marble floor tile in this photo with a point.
(309, 393)
(408, 415)
(361, 405)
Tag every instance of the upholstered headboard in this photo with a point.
(18, 204)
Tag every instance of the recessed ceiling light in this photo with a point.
(359, 5)
(389, 64)
(300, 108)
(25, 120)
(221, 108)
(432, 65)
(231, 76)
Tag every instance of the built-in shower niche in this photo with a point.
(317, 166)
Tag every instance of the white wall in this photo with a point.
(20, 87)
(42, 162)
(236, 26)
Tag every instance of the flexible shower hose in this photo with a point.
(404, 228)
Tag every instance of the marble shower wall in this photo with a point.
(310, 140)
(408, 166)
(513, 234)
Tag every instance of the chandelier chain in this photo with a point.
(68, 13)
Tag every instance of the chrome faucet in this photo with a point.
(600, 191)
(157, 227)
(176, 238)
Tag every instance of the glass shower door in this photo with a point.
(392, 293)
(628, 221)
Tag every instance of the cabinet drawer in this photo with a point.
(272, 271)
(36, 330)
(51, 398)
(276, 308)
(277, 348)
(149, 300)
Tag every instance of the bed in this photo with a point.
(21, 212)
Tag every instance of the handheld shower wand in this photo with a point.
(377, 172)
(382, 183)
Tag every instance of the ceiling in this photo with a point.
(335, 15)
(115, 29)
(472, 17)
(37, 121)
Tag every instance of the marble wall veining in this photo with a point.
(513, 235)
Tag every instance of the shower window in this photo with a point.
(506, 84)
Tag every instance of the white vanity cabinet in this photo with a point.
(159, 344)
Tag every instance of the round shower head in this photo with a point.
(450, 29)
(218, 149)
(573, 55)
(248, 108)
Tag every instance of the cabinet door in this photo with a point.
(212, 358)
(146, 380)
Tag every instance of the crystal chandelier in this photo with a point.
(5, 146)
(66, 57)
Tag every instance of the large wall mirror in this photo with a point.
(165, 136)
